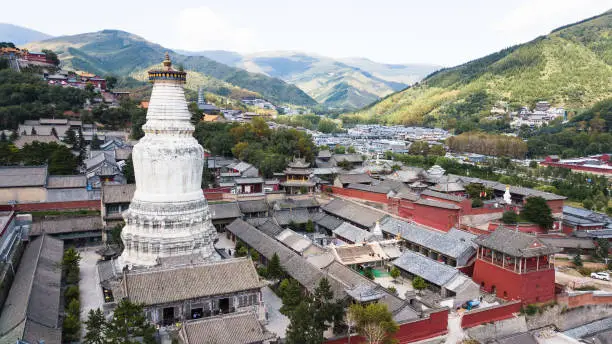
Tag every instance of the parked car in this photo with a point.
(604, 276)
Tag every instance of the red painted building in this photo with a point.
(515, 266)
(36, 56)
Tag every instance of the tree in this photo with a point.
(129, 325)
(3, 137)
(351, 150)
(309, 226)
(95, 326)
(509, 217)
(374, 322)
(62, 161)
(275, 271)
(477, 203)
(419, 283)
(340, 149)
(419, 148)
(71, 327)
(71, 259)
(603, 248)
(537, 211)
(128, 170)
(196, 113)
(345, 164)
(111, 81)
(587, 203)
(437, 150)
(533, 164)
(303, 327)
(577, 260)
(326, 309)
(292, 296)
(95, 142)
(51, 56)
(368, 273)
(71, 293)
(395, 273)
(71, 137)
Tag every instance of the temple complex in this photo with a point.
(168, 218)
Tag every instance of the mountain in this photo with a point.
(20, 35)
(345, 83)
(570, 67)
(125, 54)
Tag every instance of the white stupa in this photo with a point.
(168, 216)
(507, 196)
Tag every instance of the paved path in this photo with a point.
(277, 322)
(455, 332)
(89, 285)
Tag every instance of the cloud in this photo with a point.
(202, 29)
(532, 16)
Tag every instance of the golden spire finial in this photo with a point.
(167, 63)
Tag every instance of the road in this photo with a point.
(567, 279)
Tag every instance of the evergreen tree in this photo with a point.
(95, 326)
(62, 161)
(509, 217)
(303, 328)
(3, 137)
(129, 325)
(128, 170)
(275, 271)
(71, 138)
(309, 226)
(292, 296)
(326, 310)
(578, 258)
(14, 136)
(537, 211)
(95, 142)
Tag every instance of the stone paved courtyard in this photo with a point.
(89, 285)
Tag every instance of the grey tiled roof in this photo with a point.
(357, 214)
(361, 178)
(430, 270)
(16, 176)
(442, 195)
(254, 206)
(328, 221)
(294, 241)
(437, 204)
(515, 243)
(269, 227)
(31, 310)
(293, 203)
(191, 282)
(285, 217)
(118, 193)
(448, 187)
(587, 244)
(220, 211)
(455, 244)
(353, 233)
(354, 158)
(249, 180)
(73, 181)
(66, 225)
(235, 328)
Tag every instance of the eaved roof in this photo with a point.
(286, 217)
(456, 244)
(515, 243)
(67, 225)
(234, 328)
(253, 206)
(32, 307)
(22, 176)
(353, 233)
(269, 227)
(360, 178)
(357, 214)
(430, 270)
(190, 282)
(294, 241)
(327, 221)
(220, 211)
(437, 204)
(442, 195)
(62, 182)
(118, 193)
(448, 187)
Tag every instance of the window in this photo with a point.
(145, 247)
(155, 248)
(113, 209)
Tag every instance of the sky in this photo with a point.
(441, 32)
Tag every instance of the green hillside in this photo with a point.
(570, 67)
(347, 83)
(121, 53)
